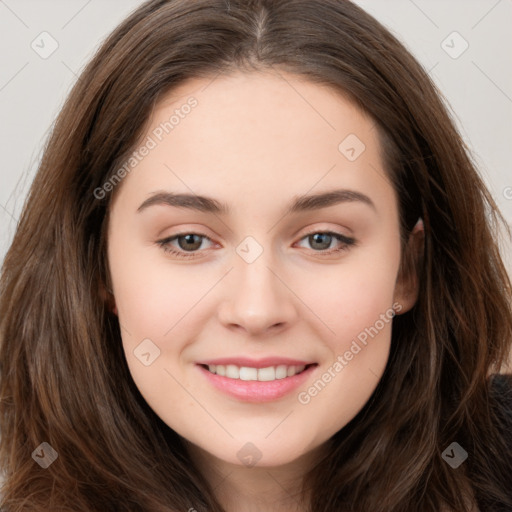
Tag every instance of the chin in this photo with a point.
(260, 452)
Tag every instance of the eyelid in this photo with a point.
(324, 228)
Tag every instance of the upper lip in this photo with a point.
(256, 363)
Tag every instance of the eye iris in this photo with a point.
(317, 238)
(189, 240)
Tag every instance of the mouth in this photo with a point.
(256, 383)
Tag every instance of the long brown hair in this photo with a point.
(64, 377)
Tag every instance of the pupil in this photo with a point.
(190, 240)
(321, 235)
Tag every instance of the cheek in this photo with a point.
(355, 302)
(162, 307)
(152, 295)
(358, 311)
(158, 319)
(350, 296)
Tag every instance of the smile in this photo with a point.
(267, 374)
(262, 382)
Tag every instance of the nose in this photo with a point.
(257, 299)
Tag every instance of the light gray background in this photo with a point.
(477, 84)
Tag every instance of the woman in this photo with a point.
(258, 370)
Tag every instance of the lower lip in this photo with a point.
(255, 390)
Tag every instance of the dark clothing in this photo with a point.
(501, 403)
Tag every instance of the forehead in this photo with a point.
(246, 133)
(271, 107)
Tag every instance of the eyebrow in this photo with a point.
(299, 203)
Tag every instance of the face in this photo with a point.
(254, 251)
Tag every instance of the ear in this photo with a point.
(108, 299)
(407, 283)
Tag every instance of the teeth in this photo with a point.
(281, 371)
(291, 370)
(232, 371)
(270, 373)
(248, 373)
(266, 374)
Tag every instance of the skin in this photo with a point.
(256, 141)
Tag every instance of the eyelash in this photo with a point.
(346, 243)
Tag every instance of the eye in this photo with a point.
(322, 240)
(190, 243)
(187, 243)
